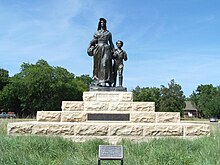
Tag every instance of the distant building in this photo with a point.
(190, 110)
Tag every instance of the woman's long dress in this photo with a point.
(102, 68)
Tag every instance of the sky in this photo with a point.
(164, 39)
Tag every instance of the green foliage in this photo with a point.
(167, 99)
(147, 94)
(206, 99)
(4, 78)
(172, 98)
(41, 87)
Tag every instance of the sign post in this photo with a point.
(110, 152)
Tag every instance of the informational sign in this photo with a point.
(110, 152)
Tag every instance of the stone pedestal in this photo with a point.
(111, 116)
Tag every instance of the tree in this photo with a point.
(206, 99)
(172, 98)
(85, 79)
(147, 94)
(41, 87)
(9, 96)
(4, 78)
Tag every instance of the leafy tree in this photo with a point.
(172, 98)
(86, 79)
(9, 96)
(41, 87)
(4, 78)
(147, 94)
(206, 99)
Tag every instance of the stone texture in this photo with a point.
(163, 130)
(89, 96)
(143, 117)
(126, 130)
(53, 129)
(113, 132)
(108, 96)
(91, 129)
(51, 116)
(96, 106)
(72, 105)
(197, 130)
(144, 106)
(126, 96)
(167, 117)
(70, 116)
(40, 128)
(20, 128)
(120, 106)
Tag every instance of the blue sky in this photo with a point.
(164, 39)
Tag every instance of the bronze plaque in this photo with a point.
(108, 117)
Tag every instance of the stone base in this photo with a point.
(110, 116)
(109, 131)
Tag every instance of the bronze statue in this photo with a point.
(118, 56)
(102, 48)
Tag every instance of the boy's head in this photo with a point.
(119, 43)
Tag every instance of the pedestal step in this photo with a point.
(108, 96)
(108, 131)
(107, 106)
(84, 116)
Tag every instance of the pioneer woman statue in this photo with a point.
(101, 48)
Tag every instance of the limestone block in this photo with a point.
(163, 130)
(53, 129)
(52, 116)
(20, 128)
(167, 117)
(127, 96)
(126, 130)
(91, 130)
(89, 96)
(72, 105)
(144, 106)
(197, 130)
(120, 106)
(107, 96)
(70, 116)
(143, 117)
(96, 106)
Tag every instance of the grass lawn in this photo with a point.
(34, 150)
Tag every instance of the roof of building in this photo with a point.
(189, 106)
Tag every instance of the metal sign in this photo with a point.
(110, 152)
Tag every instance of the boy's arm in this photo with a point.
(125, 56)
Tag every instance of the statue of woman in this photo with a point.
(102, 48)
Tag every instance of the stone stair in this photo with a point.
(111, 116)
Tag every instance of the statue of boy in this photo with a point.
(118, 57)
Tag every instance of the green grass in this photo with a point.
(33, 150)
